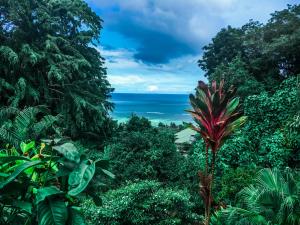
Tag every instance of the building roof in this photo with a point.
(185, 136)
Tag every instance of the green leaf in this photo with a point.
(45, 192)
(69, 151)
(52, 212)
(26, 147)
(7, 159)
(111, 175)
(4, 175)
(232, 105)
(26, 206)
(75, 217)
(237, 123)
(19, 170)
(80, 177)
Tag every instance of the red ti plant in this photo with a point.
(216, 113)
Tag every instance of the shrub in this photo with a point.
(143, 203)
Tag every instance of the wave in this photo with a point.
(158, 113)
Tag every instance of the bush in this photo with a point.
(143, 203)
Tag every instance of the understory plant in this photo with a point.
(216, 113)
(40, 184)
(273, 198)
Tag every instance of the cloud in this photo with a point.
(168, 29)
(158, 42)
(152, 88)
(178, 76)
(125, 79)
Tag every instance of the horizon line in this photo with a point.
(151, 93)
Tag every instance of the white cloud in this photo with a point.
(152, 88)
(125, 79)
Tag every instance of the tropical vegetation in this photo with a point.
(64, 160)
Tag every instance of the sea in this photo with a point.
(165, 108)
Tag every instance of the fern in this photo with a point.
(44, 124)
(10, 55)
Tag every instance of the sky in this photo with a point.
(152, 46)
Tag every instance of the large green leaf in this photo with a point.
(52, 212)
(26, 206)
(75, 217)
(80, 177)
(19, 170)
(69, 151)
(45, 192)
(26, 147)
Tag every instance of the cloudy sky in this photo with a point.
(152, 46)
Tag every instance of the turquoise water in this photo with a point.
(164, 108)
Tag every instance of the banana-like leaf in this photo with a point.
(19, 170)
(52, 212)
(75, 217)
(69, 151)
(45, 192)
(80, 177)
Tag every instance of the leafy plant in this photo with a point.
(217, 115)
(272, 199)
(41, 184)
(29, 123)
(142, 203)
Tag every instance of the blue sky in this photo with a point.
(152, 46)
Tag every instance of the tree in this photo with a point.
(48, 58)
(217, 115)
(226, 45)
(236, 74)
(270, 52)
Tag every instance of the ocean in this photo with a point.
(165, 108)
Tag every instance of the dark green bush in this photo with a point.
(142, 203)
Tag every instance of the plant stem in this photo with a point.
(210, 187)
(206, 159)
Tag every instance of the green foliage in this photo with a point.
(30, 123)
(266, 140)
(141, 152)
(235, 73)
(266, 53)
(40, 185)
(232, 181)
(49, 58)
(145, 202)
(272, 199)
